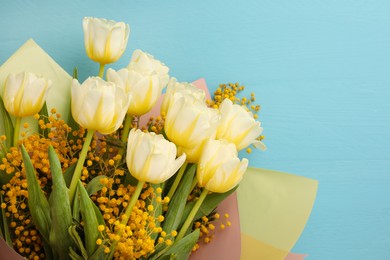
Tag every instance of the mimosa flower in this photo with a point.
(219, 168)
(238, 126)
(99, 105)
(151, 158)
(144, 79)
(105, 40)
(25, 94)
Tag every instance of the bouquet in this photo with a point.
(108, 168)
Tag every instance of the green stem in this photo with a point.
(191, 216)
(101, 70)
(126, 128)
(127, 214)
(80, 164)
(125, 134)
(132, 202)
(18, 121)
(177, 180)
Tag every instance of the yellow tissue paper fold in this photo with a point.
(32, 58)
(274, 208)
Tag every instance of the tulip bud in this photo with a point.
(151, 158)
(99, 105)
(238, 126)
(25, 94)
(219, 169)
(144, 79)
(189, 123)
(183, 87)
(105, 40)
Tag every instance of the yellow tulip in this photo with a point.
(144, 79)
(219, 169)
(189, 123)
(151, 158)
(238, 126)
(105, 40)
(183, 87)
(25, 94)
(99, 105)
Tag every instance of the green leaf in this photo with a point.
(181, 249)
(177, 204)
(48, 251)
(68, 174)
(75, 73)
(4, 228)
(5, 177)
(78, 241)
(8, 127)
(76, 206)
(98, 214)
(73, 255)
(98, 255)
(209, 204)
(37, 202)
(95, 185)
(91, 223)
(60, 211)
(45, 117)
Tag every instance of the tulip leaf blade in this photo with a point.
(76, 206)
(68, 174)
(37, 202)
(91, 232)
(98, 214)
(4, 231)
(75, 73)
(44, 115)
(178, 201)
(74, 256)
(78, 241)
(60, 210)
(95, 185)
(181, 249)
(7, 124)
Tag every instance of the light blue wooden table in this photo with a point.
(320, 69)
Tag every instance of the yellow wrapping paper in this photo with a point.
(274, 208)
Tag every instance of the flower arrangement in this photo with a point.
(99, 184)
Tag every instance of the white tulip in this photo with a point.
(105, 40)
(219, 169)
(144, 79)
(238, 126)
(151, 158)
(99, 105)
(183, 87)
(25, 94)
(189, 123)
(146, 64)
